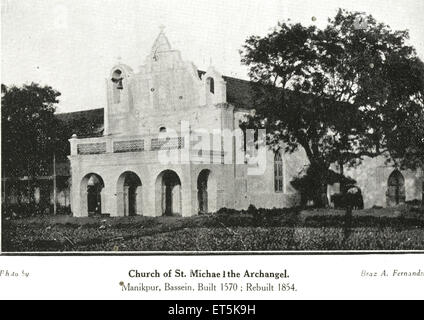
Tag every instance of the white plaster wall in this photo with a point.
(372, 177)
(110, 167)
(167, 91)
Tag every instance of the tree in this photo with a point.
(30, 130)
(338, 93)
(405, 135)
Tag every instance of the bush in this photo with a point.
(26, 210)
(415, 203)
(226, 211)
(273, 229)
(22, 238)
(313, 184)
(363, 222)
(343, 201)
(23, 210)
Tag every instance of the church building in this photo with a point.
(121, 173)
(148, 160)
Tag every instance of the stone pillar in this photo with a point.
(109, 145)
(81, 203)
(212, 195)
(126, 208)
(106, 109)
(163, 199)
(176, 200)
(120, 203)
(75, 201)
(187, 193)
(149, 196)
(109, 197)
(74, 145)
(139, 200)
(76, 208)
(103, 201)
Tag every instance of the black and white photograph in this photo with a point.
(278, 126)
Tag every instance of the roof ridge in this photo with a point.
(79, 111)
(228, 77)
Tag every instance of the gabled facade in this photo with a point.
(152, 160)
(168, 143)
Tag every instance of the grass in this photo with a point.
(259, 230)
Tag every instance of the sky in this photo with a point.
(72, 45)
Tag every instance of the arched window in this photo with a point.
(162, 129)
(211, 85)
(117, 85)
(278, 173)
(396, 189)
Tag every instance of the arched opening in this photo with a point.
(202, 191)
(168, 194)
(91, 195)
(129, 194)
(210, 90)
(210, 82)
(162, 129)
(396, 189)
(206, 192)
(117, 79)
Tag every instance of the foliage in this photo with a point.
(68, 238)
(275, 229)
(342, 93)
(406, 141)
(311, 187)
(29, 129)
(25, 210)
(348, 200)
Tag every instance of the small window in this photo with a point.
(162, 129)
(117, 85)
(211, 85)
(278, 173)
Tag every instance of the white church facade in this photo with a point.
(121, 173)
(148, 161)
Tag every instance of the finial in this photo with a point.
(162, 28)
(118, 59)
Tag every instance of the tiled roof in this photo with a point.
(84, 123)
(93, 114)
(239, 92)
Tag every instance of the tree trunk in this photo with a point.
(321, 199)
(342, 183)
(347, 228)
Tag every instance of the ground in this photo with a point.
(254, 230)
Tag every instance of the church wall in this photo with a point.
(220, 184)
(259, 190)
(164, 91)
(111, 166)
(167, 92)
(372, 177)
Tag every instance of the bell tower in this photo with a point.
(119, 99)
(161, 44)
